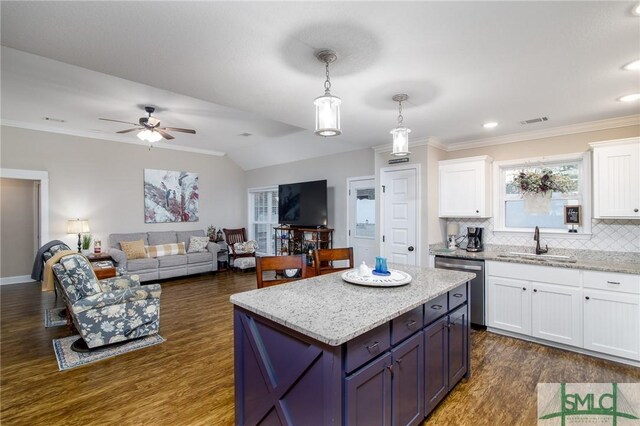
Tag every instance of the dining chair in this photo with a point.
(274, 270)
(324, 259)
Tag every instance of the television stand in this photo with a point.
(301, 239)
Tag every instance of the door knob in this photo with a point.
(410, 248)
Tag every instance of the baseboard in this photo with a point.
(16, 280)
(583, 351)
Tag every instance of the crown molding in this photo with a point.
(106, 137)
(609, 123)
(431, 141)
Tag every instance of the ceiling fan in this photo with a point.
(149, 127)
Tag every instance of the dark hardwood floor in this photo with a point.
(188, 380)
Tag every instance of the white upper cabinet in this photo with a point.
(465, 187)
(616, 179)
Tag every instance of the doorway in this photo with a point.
(400, 214)
(361, 219)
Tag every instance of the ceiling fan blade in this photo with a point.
(129, 130)
(164, 134)
(118, 121)
(177, 129)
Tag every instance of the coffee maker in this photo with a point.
(474, 239)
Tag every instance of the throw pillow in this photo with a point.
(246, 247)
(198, 244)
(165, 250)
(133, 249)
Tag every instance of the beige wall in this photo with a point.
(565, 144)
(334, 168)
(102, 181)
(18, 225)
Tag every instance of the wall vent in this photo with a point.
(534, 120)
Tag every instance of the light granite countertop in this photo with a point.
(332, 311)
(605, 261)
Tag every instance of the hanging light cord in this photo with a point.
(400, 117)
(327, 83)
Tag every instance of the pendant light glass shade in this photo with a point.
(327, 106)
(149, 136)
(327, 115)
(400, 141)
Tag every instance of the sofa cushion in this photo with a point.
(176, 260)
(133, 249)
(200, 257)
(198, 244)
(142, 264)
(185, 236)
(165, 250)
(164, 237)
(114, 239)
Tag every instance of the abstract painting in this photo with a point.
(170, 196)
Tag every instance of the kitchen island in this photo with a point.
(322, 351)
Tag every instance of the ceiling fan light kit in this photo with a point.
(149, 136)
(327, 106)
(400, 134)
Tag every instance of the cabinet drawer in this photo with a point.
(406, 324)
(625, 283)
(457, 296)
(367, 346)
(435, 308)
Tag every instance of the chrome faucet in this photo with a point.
(536, 238)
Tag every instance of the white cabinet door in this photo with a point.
(509, 305)
(556, 313)
(464, 187)
(616, 180)
(612, 323)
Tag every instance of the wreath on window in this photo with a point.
(534, 182)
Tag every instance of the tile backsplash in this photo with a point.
(607, 235)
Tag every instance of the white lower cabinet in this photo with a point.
(612, 323)
(509, 304)
(596, 311)
(556, 313)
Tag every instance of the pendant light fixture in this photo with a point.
(327, 106)
(400, 133)
(149, 136)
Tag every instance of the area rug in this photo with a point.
(68, 359)
(54, 317)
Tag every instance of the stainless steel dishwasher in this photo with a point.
(476, 287)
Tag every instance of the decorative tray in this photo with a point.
(396, 279)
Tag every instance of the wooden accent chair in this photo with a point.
(233, 236)
(323, 259)
(275, 266)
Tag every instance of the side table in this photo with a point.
(99, 263)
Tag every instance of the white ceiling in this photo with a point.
(225, 68)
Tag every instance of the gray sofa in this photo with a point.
(165, 266)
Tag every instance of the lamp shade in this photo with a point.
(453, 228)
(327, 115)
(149, 135)
(77, 226)
(400, 141)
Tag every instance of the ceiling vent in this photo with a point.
(534, 120)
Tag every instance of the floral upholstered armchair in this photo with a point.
(107, 311)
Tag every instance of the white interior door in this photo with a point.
(400, 215)
(362, 220)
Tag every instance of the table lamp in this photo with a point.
(452, 233)
(77, 226)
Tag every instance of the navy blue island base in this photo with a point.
(395, 374)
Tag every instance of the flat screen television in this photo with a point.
(303, 204)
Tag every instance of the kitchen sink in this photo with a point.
(539, 257)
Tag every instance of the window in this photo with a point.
(365, 213)
(512, 215)
(263, 217)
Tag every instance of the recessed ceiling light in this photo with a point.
(632, 66)
(57, 120)
(490, 125)
(630, 98)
